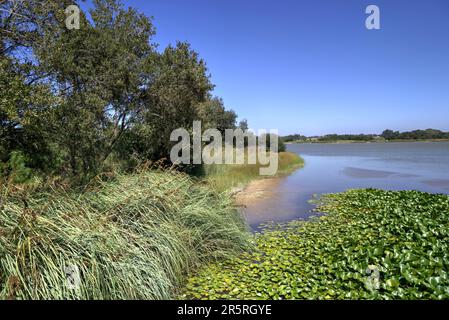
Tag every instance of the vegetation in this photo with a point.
(80, 110)
(347, 137)
(427, 134)
(133, 237)
(404, 235)
(81, 102)
(293, 137)
(387, 135)
(332, 138)
(225, 177)
(99, 101)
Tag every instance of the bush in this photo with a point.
(16, 168)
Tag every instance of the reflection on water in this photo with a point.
(337, 167)
(366, 173)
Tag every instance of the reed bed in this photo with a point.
(135, 237)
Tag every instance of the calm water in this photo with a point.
(337, 167)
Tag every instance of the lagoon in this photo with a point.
(331, 168)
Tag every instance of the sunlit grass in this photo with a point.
(224, 177)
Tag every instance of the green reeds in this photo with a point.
(133, 238)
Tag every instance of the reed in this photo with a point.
(135, 237)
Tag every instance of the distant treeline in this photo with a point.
(355, 137)
(388, 134)
(415, 134)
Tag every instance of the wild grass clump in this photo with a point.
(132, 238)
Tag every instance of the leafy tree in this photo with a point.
(214, 115)
(389, 134)
(97, 73)
(243, 125)
(23, 23)
(24, 107)
(77, 101)
(181, 83)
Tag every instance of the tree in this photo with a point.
(24, 108)
(389, 134)
(97, 71)
(243, 125)
(181, 83)
(213, 114)
(23, 23)
(81, 100)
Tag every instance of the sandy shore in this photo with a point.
(256, 190)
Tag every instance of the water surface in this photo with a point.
(333, 168)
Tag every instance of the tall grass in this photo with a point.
(224, 177)
(132, 238)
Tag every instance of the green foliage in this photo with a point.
(243, 125)
(22, 23)
(134, 237)
(403, 234)
(77, 102)
(293, 138)
(214, 115)
(16, 168)
(99, 71)
(415, 134)
(351, 137)
(281, 145)
(180, 84)
(23, 108)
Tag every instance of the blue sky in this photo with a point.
(311, 67)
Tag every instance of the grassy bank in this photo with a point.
(403, 235)
(225, 177)
(135, 237)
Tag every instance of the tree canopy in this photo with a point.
(78, 101)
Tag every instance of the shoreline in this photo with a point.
(256, 190)
(259, 189)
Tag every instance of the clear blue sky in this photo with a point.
(311, 67)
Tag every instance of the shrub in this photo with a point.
(16, 168)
